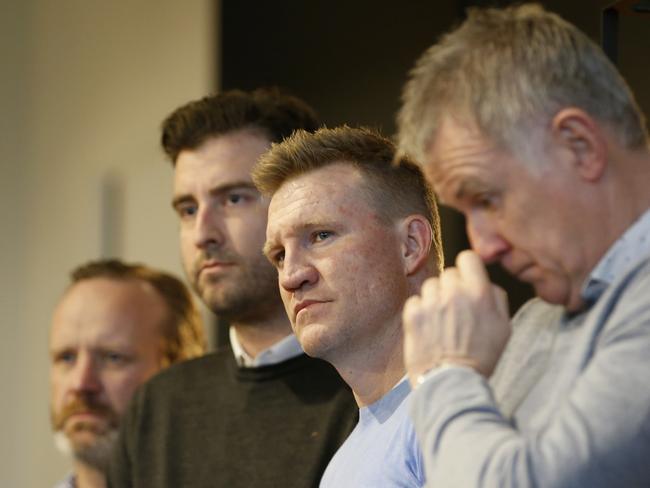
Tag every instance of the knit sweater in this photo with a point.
(209, 423)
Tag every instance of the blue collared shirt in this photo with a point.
(625, 253)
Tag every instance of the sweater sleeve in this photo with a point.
(598, 435)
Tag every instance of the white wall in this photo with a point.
(83, 88)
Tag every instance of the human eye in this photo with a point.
(186, 210)
(485, 201)
(238, 197)
(114, 358)
(321, 235)
(65, 358)
(277, 258)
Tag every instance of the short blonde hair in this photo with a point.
(509, 69)
(395, 187)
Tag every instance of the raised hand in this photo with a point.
(459, 318)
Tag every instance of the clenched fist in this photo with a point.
(459, 318)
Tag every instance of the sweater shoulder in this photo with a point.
(193, 373)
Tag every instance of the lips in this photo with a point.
(80, 411)
(303, 304)
(521, 272)
(208, 266)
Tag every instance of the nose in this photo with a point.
(485, 239)
(85, 377)
(208, 228)
(296, 272)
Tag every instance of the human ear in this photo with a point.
(416, 235)
(582, 138)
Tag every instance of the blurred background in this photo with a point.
(83, 89)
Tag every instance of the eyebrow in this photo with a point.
(268, 248)
(310, 225)
(217, 190)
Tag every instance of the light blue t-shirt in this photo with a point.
(382, 450)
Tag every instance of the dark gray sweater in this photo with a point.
(209, 423)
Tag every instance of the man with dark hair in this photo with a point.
(352, 236)
(261, 413)
(523, 124)
(116, 325)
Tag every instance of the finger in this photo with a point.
(472, 271)
(410, 310)
(501, 300)
(449, 284)
(430, 289)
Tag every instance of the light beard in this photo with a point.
(96, 454)
(248, 293)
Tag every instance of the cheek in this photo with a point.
(286, 299)
(120, 387)
(186, 245)
(248, 235)
(56, 390)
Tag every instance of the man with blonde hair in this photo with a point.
(523, 125)
(116, 325)
(352, 236)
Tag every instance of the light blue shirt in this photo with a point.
(382, 450)
(624, 254)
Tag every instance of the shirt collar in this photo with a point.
(284, 349)
(383, 408)
(68, 482)
(624, 254)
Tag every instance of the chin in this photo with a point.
(90, 448)
(313, 340)
(552, 294)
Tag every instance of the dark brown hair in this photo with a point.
(275, 114)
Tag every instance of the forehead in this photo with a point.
(102, 312)
(220, 160)
(459, 151)
(334, 191)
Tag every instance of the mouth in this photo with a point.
(87, 420)
(213, 266)
(522, 273)
(305, 304)
(84, 417)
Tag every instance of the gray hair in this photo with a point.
(509, 70)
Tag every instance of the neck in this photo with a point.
(88, 476)
(375, 372)
(256, 336)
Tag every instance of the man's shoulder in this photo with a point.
(193, 372)
(536, 313)
(625, 305)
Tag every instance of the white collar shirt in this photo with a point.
(284, 349)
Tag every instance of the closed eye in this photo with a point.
(278, 258)
(485, 201)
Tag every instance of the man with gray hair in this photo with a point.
(523, 125)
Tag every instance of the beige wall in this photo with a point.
(83, 88)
